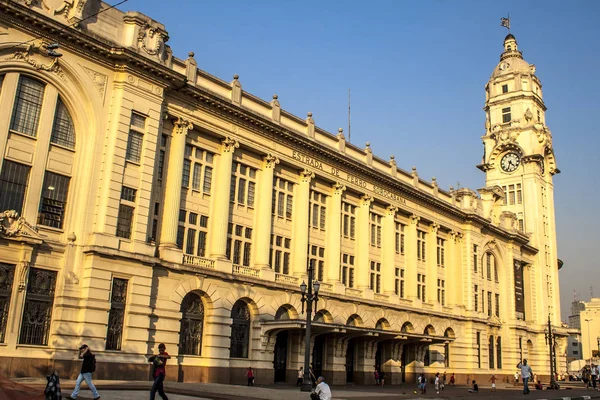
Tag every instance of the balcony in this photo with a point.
(288, 280)
(247, 271)
(353, 292)
(196, 261)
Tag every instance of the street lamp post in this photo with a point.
(308, 296)
(551, 341)
(589, 340)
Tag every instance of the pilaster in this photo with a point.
(262, 214)
(300, 222)
(431, 264)
(453, 270)
(388, 250)
(410, 272)
(362, 245)
(219, 216)
(334, 237)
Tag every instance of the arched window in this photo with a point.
(192, 325)
(282, 314)
(63, 131)
(240, 330)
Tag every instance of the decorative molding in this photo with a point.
(270, 161)
(306, 175)
(34, 55)
(366, 200)
(414, 219)
(13, 226)
(98, 79)
(338, 188)
(182, 126)
(391, 211)
(229, 145)
(23, 272)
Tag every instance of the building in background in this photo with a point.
(590, 330)
(146, 201)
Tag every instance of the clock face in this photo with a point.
(510, 162)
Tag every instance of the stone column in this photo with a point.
(334, 237)
(431, 264)
(410, 264)
(453, 274)
(388, 251)
(172, 198)
(362, 246)
(219, 216)
(300, 223)
(262, 216)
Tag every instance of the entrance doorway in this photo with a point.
(280, 357)
(350, 352)
(379, 357)
(404, 361)
(317, 356)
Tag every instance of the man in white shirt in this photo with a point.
(322, 391)
(526, 374)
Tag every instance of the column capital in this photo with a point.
(270, 161)
(181, 126)
(456, 236)
(338, 188)
(414, 219)
(366, 201)
(306, 175)
(433, 228)
(391, 211)
(229, 145)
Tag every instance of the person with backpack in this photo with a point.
(87, 368)
(159, 361)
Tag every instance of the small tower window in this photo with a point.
(538, 116)
(504, 88)
(505, 115)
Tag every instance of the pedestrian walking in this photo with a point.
(437, 383)
(88, 366)
(422, 383)
(313, 378)
(594, 376)
(300, 376)
(526, 373)
(322, 390)
(376, 376)
(474, 388)
(517, 378)
(452, 379)
(159, 362)
(381, 378)
(250, 376)
(443, 380)
(493, 380)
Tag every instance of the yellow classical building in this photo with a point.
(145, 201)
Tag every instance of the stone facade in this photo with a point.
(148, 201)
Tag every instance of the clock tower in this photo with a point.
(519, 158)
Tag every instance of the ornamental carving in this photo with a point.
(182, 126)
(306, 175)
(229, 145)
(11, 224)
(72, 10)
(270, 161)
(37, 57)
(152, 39)
(98, 79)
(338, 188)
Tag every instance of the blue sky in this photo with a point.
(417, 70)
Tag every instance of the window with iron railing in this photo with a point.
(116, 316)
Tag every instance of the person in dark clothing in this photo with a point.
(159, 362)
(474, 388)
(87, 367)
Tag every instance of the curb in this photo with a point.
(576, 398)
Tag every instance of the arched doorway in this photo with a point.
(240, 330)
(379, 357)
(192, 320)
(350, 353)
(280, 356)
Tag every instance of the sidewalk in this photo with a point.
(278, 392)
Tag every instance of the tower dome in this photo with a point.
(511, 59)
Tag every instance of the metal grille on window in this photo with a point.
(118, 298)
(124, 221)
(28, 104)
(54, 200)
(134, 146)
(63, 131)
(192, 325)
(7, 274)
(37, 314)
(240, 330)
(13, 186)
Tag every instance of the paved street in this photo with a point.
(133, 395)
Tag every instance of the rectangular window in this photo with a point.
(192, 231)
(505, 115)
(317, 210)
(504, 88)
(128, 193)
(399, 282)
(475, 258)
(497, 309)
(420, 245)
(489, 304)
(282, 198)
(375, 283)
(399, 238)
(240, 240)
(196, 176)
(375, 230)
(317, 257)
(476, 298)
(488, 265)
(441, 291)
(28, 104)
(7, 277)
(37, 312)
(440, 252)
(491, 352)
(124, 221)
(116, 317)
(499, 352)
(243, 183)
(13, 186)
(478, 342)
(348, 220)
(348, 270)
(54, 200)
(206, 186)
(421, 287)
(519, 194)
(161, 163)
(280, 254)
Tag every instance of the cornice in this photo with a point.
(536, 98)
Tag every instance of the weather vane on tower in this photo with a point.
(505, 22)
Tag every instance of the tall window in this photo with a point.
(7, 277)
(421, 287)
(126, 208)
(399, 282)
(192, 325)
(478, 342)
(476, 298)
(348, 270)
(375, 283)
(13, 186)
(489, 304)
(54, 200)
(317, 210)
(506, 115)
(197, 165)
(375, 226)
(491, 352)
(63, 130)
(118, 298)
(135, 138)
(399, 238)
(420, 245)
(192, 232)
(497, 305)
(37, 313)
(280, 254)
(239, 244)
(441, 291)
(440, 252)
(504, 88)
(243, 185)
(283, 198)
(161, 156)
(513, 194)
(499, 352)
(348, 220)
(317, 254)
(28, 105)
(475, 258)
(489, 264)
(240, 330)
